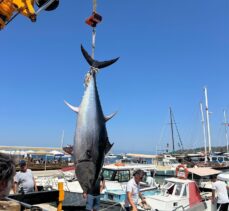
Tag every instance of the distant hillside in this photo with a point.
(222, 149)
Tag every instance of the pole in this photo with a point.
(171, 124)
(61, 196)
(45, 162)
(226, 125)
(204, 132)
(208, 122)
(62, 140)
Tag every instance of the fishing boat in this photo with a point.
(179, 194)
(165, 164)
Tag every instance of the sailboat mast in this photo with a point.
(226, 125)
(62, 140)
(207, 119)
(171, 124)
(204, 132)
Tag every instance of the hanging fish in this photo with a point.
(91, 142)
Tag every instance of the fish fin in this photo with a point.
(108, 146)
(95, 63)
(107, 118)
(75, 109)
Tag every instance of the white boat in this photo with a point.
(166, 165)
(179, 194)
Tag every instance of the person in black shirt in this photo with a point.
(93, 196)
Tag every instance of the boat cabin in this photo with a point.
(117, 175)
(220, 159)
(122, 173)
(176, 193)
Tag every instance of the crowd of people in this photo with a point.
(23, 182)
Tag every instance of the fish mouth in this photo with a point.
(85, 172)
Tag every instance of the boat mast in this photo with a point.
(204, 132)
(171, 124)
(62, 140)
(207, 119)
(226, 125)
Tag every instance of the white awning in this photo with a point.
(203, 172)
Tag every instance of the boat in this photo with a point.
(179, 194)
(165, 164)
(202, 177)
(116, 176)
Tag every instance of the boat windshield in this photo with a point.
(226, 159)
(116, 175)
(168, 187)
(178, 188)
(173, 161)
(122, 176)
(108, 174)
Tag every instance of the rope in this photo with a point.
(118, 203)
(93, 31)
(94, 5)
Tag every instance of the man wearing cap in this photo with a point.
(133, 191)
(24, 179)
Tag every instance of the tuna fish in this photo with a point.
(91, 142)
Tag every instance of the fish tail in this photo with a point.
(94, 63)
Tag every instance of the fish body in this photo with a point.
(91, 139)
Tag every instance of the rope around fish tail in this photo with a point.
(89, 75)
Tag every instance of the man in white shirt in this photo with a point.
(24, 178)
(150, 181)
(132, 191)
(220, 188)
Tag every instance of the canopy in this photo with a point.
(56, 153)
(41, 152)
(203, 172)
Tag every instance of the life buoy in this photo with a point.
(119, 164)
(181, 174)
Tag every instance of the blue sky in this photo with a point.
(169, 50)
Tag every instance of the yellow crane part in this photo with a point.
(8, 7)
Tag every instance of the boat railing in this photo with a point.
(181, 206)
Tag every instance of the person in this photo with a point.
(220, 188)
(132, 191)
(93, 196)
(150, 181)
(7, 173)
(24, 181)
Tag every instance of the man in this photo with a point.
(220, 188)
(7, 172)
(24, 179)
(132, 191)
(93, 196)
(150, 181)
